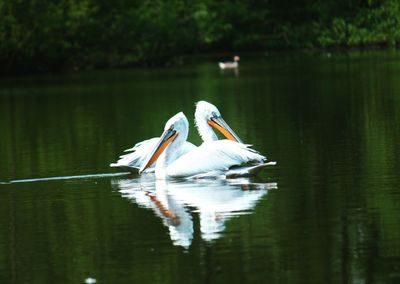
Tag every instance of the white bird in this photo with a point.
(230, 65)
(213, 158)
(207, 117)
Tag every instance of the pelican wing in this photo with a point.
(215, 156)
(139, 152)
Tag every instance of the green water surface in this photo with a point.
(328, 212)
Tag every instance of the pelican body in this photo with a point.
(207, 118)
(212, 158)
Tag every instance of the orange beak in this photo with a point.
(166, 138)
(219, 123)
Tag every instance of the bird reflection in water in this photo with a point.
(216, 201)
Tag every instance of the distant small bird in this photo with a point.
(230, 65)
(90, 280)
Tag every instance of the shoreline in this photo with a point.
(188, 58)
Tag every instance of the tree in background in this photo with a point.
(39, 35)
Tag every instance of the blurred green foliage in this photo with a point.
(39, 35)
(374, 24)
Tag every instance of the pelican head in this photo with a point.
(176, 130)
(207, 116)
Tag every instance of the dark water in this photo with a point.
(328, 212)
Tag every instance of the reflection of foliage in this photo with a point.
(334, 130)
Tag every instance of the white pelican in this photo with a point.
(213, 158)
(207, 117)
(230, 65)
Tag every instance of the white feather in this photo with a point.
(137, 155)
(204, 111)
(215, 156)
(247, 170)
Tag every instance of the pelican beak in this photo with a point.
(166, 138)
(219, 123)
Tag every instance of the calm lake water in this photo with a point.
(328, 212)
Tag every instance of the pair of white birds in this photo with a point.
(172, 156)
